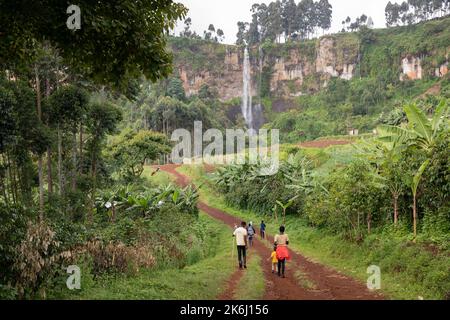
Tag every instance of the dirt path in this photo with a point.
(328, 284)
(322, 144)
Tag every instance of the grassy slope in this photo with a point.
(401, 266)
(203, 280)
(160, 178)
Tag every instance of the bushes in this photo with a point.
(116, 257)
(13, 227)
(36, 258)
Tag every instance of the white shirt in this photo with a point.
(240, 234)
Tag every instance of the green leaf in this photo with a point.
(418, 176)
(392, 134)
(418, 120)
(439, 115)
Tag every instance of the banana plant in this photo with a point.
(285, 206)
(420, 132)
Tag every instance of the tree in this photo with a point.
(288, 16)
(253, 35)
(274, 28)
(284, 207)
(392, 14)
(187, 33)
(103, 120)
(220, 35)
(67, 108)
(241, 35)
(325, 11)
(128, 36)
(132, 150)
(175, 89)
(421, 133)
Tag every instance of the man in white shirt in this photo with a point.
(241, 242)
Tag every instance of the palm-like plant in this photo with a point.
(420, 132)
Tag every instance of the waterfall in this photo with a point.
(247, 108)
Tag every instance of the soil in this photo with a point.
(321, 144)
(318, 282)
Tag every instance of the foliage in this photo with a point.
(126, 45)
(132, 150)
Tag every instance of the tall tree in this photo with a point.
(325, 11)
(117, 40)
(241, 35)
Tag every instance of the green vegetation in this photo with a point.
(82, 134)
(251, 285)
(200, 279)
(409, 271)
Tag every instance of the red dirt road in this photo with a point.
(321, 144)
(327, 284)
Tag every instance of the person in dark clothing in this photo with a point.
(262, 230)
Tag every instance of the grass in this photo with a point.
(160, 178)
(251, 285)
(201, 281)
(303, 280)
(408, 271)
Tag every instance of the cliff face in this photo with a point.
(226, 76)
(288, 69)
(294, 69)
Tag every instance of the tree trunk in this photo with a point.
(94, 183)
(113, 213)
(49, 170)
(60, 169)
(81, 149)
(49, 151)
(415, 216)
(3, 184)
(395, 209)
(11, 178)
(74, 161)
(40, 162)
(369, 223)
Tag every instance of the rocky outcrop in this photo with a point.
(411, 68)
(329, 63)
(442, 70)
(224, 75)
(289, 70)
(294, 69)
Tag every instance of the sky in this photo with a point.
(225, 14)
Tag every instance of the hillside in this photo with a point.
(326, 86)
(414, 52)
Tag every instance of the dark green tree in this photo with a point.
(118, 40)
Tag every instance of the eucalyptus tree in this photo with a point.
(68, 107)
(102, 120)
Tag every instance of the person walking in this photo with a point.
(262, 230)
(241, 242)
(251, 233)
(273, 259)
(282, 241)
